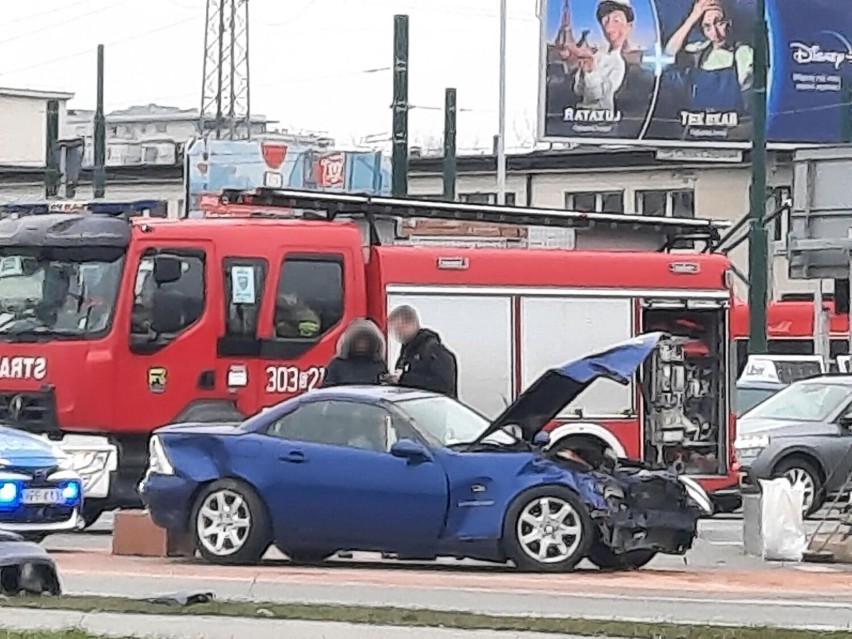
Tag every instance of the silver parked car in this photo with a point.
(803, 433)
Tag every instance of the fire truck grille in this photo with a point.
(34, 412)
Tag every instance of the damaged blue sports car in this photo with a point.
(420, 475)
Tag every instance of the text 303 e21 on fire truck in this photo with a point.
(112, 327)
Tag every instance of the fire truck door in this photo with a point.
(316, 294)
(247, 292)
(172, 363)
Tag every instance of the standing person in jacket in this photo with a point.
(424, 362)
(360, 356)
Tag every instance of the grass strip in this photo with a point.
(387, 616)
(48, 634)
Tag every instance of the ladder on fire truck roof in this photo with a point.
(133, 208)
(669, 230)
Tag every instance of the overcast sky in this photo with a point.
(316, 64)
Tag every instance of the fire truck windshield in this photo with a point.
(56, 297)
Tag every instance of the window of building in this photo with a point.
(150, 155)
(310, 296)
(781, 224)
(652, 203)
(595, 202)
(666, 203)
(683, 203)
(244, 280)
(184, 298)
(338, 423)
(485, 198)
(161, 127)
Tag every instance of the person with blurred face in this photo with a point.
(721, 68)
(360, 358)
(424, 362)
(602, 70)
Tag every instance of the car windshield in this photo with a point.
(41, 296)
(802, 401)
(748, 398)
(444, 420)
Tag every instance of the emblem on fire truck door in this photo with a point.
(157, 376)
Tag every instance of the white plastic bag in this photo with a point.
(782, 521)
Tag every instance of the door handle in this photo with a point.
(293, 457)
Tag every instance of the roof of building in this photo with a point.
(35, 94)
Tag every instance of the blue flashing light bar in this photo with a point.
(135, 208)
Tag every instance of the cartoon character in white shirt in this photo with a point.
(602, 71)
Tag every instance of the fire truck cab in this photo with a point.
(111, 328)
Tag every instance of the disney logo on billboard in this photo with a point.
(814, 54)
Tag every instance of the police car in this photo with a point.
(39, 494)
(765, 375)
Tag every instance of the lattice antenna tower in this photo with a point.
(225, 104)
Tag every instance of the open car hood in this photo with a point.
(556, 388)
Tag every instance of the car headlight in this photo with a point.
(697, 494)
(158, 460)
(751, 446)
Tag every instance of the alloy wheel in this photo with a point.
(224, 522)
(549, 530)
(799, 477)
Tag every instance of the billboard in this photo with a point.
(680, 72)
(214, 165)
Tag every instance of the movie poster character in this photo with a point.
(706, 93)
(596, 85)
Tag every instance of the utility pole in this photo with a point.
(399, 157)
(51, 173)
(99, 176)
(758, 249)
(449, 172)
(501, 110)
(225, 96)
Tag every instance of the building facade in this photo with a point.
(23, 125)
(144, 135)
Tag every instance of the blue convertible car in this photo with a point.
(39, 494)
(420, 475)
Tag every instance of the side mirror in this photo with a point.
(166, 312)
(167, 269)
(409, 449)
(846, 421)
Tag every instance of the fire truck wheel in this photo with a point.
(605, 559)
(231, 523)
(547, 529)
(91, 514)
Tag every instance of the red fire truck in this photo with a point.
(789, 328)
(112, 327)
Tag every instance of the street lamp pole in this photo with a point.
(501, 111)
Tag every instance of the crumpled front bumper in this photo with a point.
(649, 510)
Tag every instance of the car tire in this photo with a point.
(604, 558)
(538, 543)
(799, 470)
(241, 534)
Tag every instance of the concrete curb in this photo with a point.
(191, 627)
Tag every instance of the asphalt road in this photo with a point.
(719, 547)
